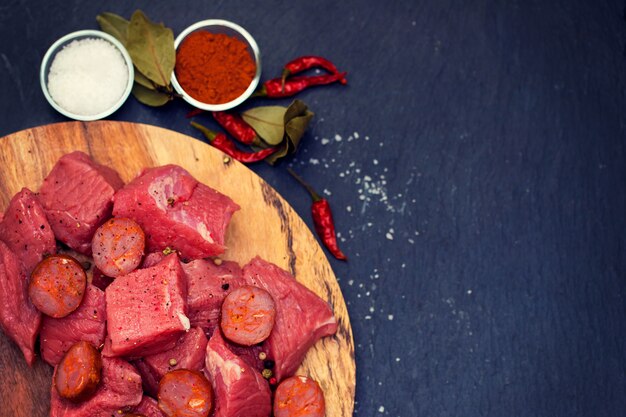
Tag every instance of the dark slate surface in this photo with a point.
(476, 166)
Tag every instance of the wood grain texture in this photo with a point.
(266, 226)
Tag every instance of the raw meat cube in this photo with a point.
(146, 309)
(188, 353)
(302, 318)
(19, 319)
(77, 196)
(120, 388)
(87, 322)
(208, 284)
(176, 211)
(26, 231)
(239, 389)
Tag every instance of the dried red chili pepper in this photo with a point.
(322, 219)
(221, 142)
(274, 88)
(237, 127)
(304, 63)
(194, 113)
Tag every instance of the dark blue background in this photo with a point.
(476, 166)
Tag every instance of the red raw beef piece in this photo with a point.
(19, 319)
(146, 309)
(87, 322)
(176, 211)
(188, 353)
(152, 259)
(100, 280)
(26, 230)
(148, 407)
(239, 389)
(207, 286)
(302, 318)
(77, 195)
(119, 389)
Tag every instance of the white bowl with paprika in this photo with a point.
(218, 65)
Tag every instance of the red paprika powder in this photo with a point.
(214, 68)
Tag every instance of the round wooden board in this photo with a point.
(266, 226)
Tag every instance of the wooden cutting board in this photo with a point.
(266, 225)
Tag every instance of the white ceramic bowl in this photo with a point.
(58, 46)
(233, 30)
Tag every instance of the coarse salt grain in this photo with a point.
(88, 76)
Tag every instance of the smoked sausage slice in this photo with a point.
(118, 246)
(57, 285)
(299, 396)
(185, 393)
(248, 315)
(78, 374)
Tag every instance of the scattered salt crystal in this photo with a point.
(325, 141)
(411, 241)
(368, 317)
(356, 135)
(372, 309)
(397, 359)
(389, 236)
(375, 161)
(314, 161)
(349, 209)
(469, 292)
(351, 282)
(390, 317)
(381, 409)
(327, 192)
(338, 137)
(88, 76)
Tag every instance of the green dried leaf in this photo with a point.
(143, 80)
(114, 25)
(283, 150)
(151, 46)
(296, 127)
(149, 97)
(268, 122)
(296, 108)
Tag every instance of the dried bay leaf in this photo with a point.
(114, 25)
(296, 121)
(296, 127)
(151, 46)
(143, 80)
(268, 122)
(150, 97)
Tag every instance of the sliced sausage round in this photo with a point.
(57, 285)
(185, 393)
(118, 246)
(299, 396)
(248, 315)
(78, 374)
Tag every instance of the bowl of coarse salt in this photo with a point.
(87, 75)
